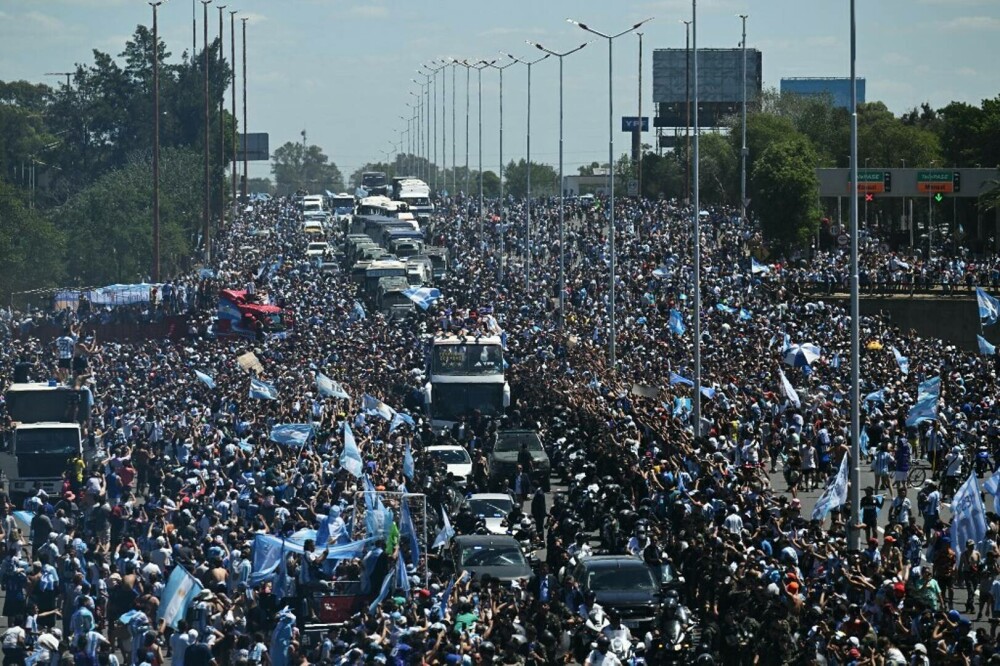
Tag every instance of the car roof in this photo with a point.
(445, 447)
(612, 562)
(486, 540)
(489, 496)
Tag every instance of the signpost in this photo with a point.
(936, 181)
(870, 182)
(631, 123)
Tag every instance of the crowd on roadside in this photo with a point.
(188, 474)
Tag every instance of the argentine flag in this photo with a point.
(989, 307)
(350, 458)
(205, 379)
(329, 388)
(261, 390)
(373, 405)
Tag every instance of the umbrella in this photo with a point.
(874, 345)
(798, 356)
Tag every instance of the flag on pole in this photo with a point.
(373, 405)
(678, 379)
(350, 458)
(989, 307)
(181, 589)
(446, 533)
(876, 396)
(422, 296)
(407, 531)
(902, 361)
(928, 394)
(789, 390)
(835, 493)
(968, 515)
(292, 434)
(261, 390)
(985, 348)
(205, 379)
(399, 419)
(329, 388)
(757, 267)
(402, 578)
(383, 592)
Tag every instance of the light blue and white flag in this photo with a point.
(928, 394)
(681, 405)
(402, 578)
(205, 379)
(756, 267)
(678, 379)
(662, 272)
(968, 515)
(992, 486)
(358, 311)
(292, 434)
(400, 419)
(422, 296)
(407, 531)
(745, 315)
(789, 390)
(902, 361)
(985, 348)
(329, 388)
(835, 493)
(835, 361)
(722, 307)
(876, 396)
(180, 591)
(677, 322)
(708, 392)
(373, 405)
(446, 532)
(407, 461)
(261, 390)
(383, 592)
(350, 458)
(989, 307)
(863, 441)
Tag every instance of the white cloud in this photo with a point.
(368, 12)
(966, 23)
(44, 21)
(893, 58)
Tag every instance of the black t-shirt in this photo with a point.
(198, 655)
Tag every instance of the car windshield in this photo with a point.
(513, 442)
(452, 456)
(492, 556)
(494, 507)
(621, 578)
(317, 246)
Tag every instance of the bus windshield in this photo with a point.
(342, 204)
(54, 441)
(468, 359)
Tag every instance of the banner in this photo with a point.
(968, 515)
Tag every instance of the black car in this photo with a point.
(497, 555)
(624, 584)
(502, 460)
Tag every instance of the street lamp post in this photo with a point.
(853, 540)
(611, 169)
(246, 175)
(454, 174)
(500, 228)
(420, 130)
(696, 231)
(232, 60)
(206, 208)
(222, 130)
(527, 224)
(427, 122)
(743, 150)
(687, 111)
(480, 66)
(155, 272)
(468, 76)
(562, 189)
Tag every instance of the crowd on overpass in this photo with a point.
(187, 474)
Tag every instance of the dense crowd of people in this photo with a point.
(184, 472)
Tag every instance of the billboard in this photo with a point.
(720, 83)
(256, 146)
(838, 89)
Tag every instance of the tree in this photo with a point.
(544, 179)
(491, 184)
(663, 176)
(785, 189)
(719, 170)
(296, 167)
(31, 248)
(588, 169)
(260, 185)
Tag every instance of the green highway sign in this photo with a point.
(935, 176)
(869, 176)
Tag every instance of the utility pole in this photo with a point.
(222, 131)
(639, 165)
(687, 110)
(206, 210)
(696, 228)
(155, 272)
(500, 229)
(853, 533)
(743, 150)
(66, 74)
(232, 61)
(245, 172)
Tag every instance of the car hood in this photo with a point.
(616, 598)
(503, 573)
(495, 527)
(510, 457)
(459, 469)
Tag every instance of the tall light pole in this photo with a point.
(527, 223)
(232, 61)
(155, 272)
(853, 539)
(222, 131)
(562, 188)
(639, 152)
(743, 150)
(206, 209)
(500, 229)
(68, 74)
(432, 79)
(454, 174)
(405, 143)
(687, 111)
(431, 172)
(696, 230)
(611, 169)
(420, 129)
(246, 175)
(468, 73)
(480, 66)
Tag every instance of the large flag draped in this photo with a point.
(902, 361)
(789, 390)
(985, 348)
(834, 495)
(292, 434)
(350, 458)
(422, 296)
(677, 322)
(989, 307)
(446, 533)
(373, 405)
(968, 515)
(180, 591)
(928, 394)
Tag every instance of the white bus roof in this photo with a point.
(27, 387)
(387, 263)
(49, 425)
(466, 340)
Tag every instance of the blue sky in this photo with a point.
(341, 69)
